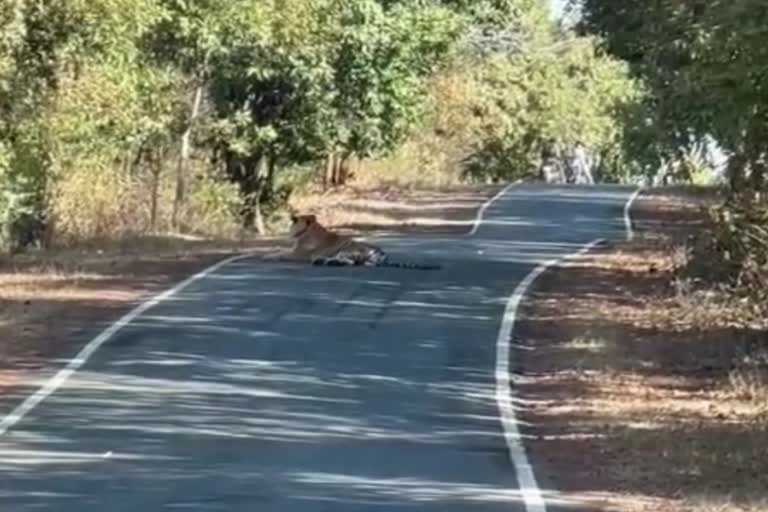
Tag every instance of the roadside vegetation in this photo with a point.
(123, 118)
(704, 67)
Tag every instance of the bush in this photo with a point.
(494, 161)
(91, 203)
(743, 239)
(737, 249)
(213, 207)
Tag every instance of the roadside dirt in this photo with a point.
(635, 382)
(353, 211)
(47, 299)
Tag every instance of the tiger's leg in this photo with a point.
(337, 260)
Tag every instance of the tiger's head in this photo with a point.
(301, 224)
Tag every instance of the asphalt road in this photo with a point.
(276, 387)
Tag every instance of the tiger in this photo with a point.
(314, 243)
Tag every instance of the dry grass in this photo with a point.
(92, 202)
(386, 208)
(641, 390)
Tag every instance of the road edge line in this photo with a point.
(628, 214)
(529, 487)
(54, 383)
(479, 217)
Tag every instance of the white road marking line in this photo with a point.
(479, 218)
(628, 214)
(533, 499)
(61, 377)
(529, 488)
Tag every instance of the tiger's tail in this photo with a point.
(409, 265)
(378, 259)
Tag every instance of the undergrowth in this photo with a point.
(722, 275)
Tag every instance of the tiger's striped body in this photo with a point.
(368, 256)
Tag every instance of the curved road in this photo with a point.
(272, 387)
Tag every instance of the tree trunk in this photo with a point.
(262, 177)
(248, 188)
(270, 178)
(335, 170)
(181, 169)
(258, 217)
(342, 169)
(757, 175)
(346, 168)
(253, 187)
(328, 172)
(756, 155)
(735, 171)
(156, 169)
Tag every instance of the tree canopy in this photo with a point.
(704, 63)
(106, 103)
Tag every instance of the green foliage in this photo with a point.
(703, 63)
(379, 60)
(531, 14)
(527, 102)
(213, 207)
(347, 77)
(44, 47)
(101, 130)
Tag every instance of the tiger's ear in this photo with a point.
(294, 218)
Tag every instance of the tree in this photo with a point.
(42, 44)
(269, 98)
(529, 103)
(342, 79)
(380, 60)
(265, 111)
(190, 35)
(702, 62)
